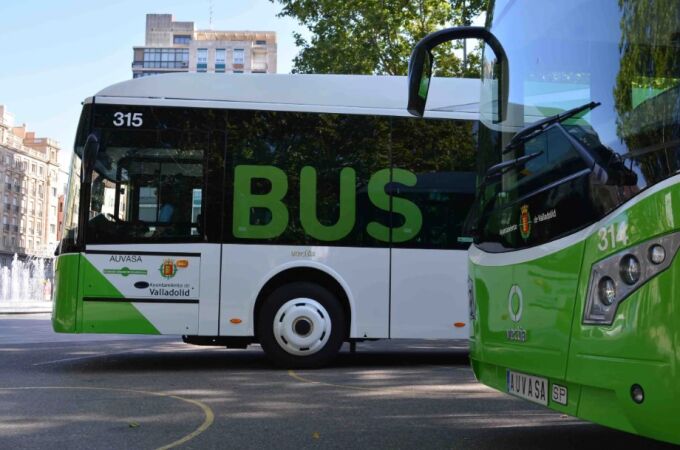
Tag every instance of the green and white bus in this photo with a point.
(574, 293)
(299, 211)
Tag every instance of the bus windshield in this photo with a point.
(619, 55)
(147, 181)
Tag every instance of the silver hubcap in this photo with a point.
(302, 326)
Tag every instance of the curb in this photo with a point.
(26, 309)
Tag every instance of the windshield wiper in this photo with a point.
(537, 127)
(501, 167)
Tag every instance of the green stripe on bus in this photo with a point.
(103, 317)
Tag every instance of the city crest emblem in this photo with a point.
(525, 222)
(168, 269)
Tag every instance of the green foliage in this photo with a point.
(376, 36)
(649, 67)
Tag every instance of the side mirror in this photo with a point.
(421, 62)
(90, 151)
(419, 76)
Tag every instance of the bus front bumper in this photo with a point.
(610, 404)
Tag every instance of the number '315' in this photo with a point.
(121, 119)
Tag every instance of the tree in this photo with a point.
(376, 36)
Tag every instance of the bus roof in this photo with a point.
(455, 98)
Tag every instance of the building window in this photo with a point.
(181, 39)
(52, 230)
(260, 42)
(54, 192)
(32, 168)
(40, 170)
(239, 56)
(202, 60)
(164, 58)
(220, 59)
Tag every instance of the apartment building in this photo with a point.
(29, 191)
(173, 46)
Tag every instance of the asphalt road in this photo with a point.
(113, 392)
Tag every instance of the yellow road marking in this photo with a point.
(207, 412)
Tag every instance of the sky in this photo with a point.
(57, 53)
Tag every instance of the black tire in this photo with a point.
(278, 349)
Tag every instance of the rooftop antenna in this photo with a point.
(210, 11)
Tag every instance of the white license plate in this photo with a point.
(528, 387)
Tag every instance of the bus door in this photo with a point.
(148, 265)
(432, 190)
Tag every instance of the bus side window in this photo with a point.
(151, 187)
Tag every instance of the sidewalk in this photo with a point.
(25, 307)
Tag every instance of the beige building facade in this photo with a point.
(172, 46)
(29, 167)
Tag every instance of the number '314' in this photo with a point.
(612, 236)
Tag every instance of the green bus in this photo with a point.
(574, 293)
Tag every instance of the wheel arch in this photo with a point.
(308, 272)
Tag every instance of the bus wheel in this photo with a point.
(301, 325)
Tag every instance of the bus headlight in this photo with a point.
(614, 278)
(657, 254)
(629, 269)
(606, 291)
